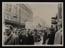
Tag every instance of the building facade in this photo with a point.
(57, 20)
(17, 14)
(59, 16)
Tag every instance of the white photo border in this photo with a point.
(32, 3)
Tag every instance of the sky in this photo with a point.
(42, 12)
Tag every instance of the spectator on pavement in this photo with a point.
(58, 37)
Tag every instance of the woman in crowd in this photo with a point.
(51, 36)
(44, 36)
(30, 38)
(23, 37)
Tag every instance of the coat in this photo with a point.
(44, 37)
(51, 37)
(23, 40)
(30, 40)
(58, 38)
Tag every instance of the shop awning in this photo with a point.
(14, 23)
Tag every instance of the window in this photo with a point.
(8, 8)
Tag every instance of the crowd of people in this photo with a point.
(24, 36)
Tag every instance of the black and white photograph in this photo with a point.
(32, 24)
